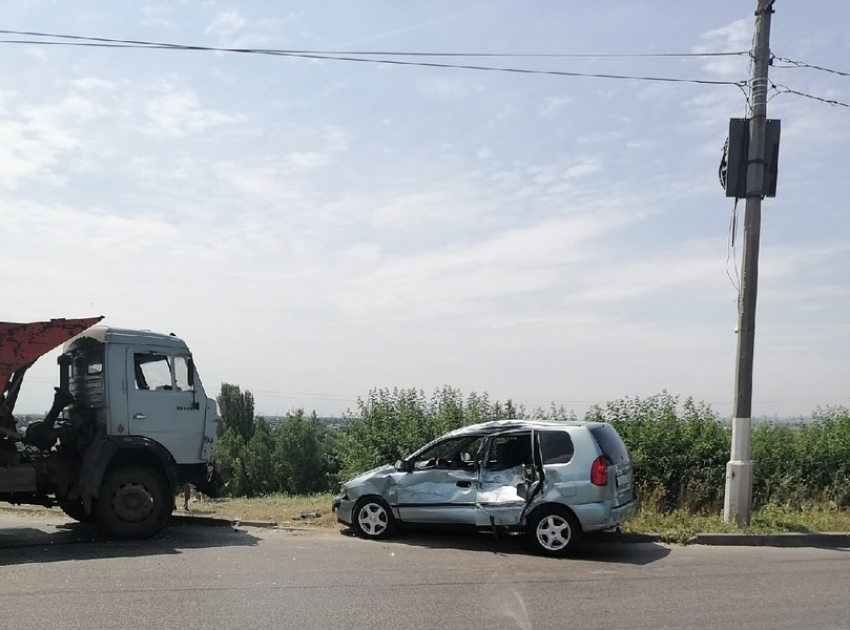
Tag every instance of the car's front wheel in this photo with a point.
(372, 518)
(554, 531)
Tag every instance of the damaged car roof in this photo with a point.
(504, 426)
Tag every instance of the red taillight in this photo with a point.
(599, 472)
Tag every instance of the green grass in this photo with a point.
(681, 526)
(282, 509)
(678, 525)
(675, 526)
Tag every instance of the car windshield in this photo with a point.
(457, 452)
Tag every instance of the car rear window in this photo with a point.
(613, 449)
(556, 446)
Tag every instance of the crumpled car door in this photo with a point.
(506, 489)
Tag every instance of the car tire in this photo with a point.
(372, 518)
(76, 511)
(554, 531)
(133, 503)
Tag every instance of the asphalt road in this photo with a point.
(209, 578)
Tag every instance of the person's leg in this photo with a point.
(187, 492)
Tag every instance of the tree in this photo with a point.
(298, 457)
(229, 449)
(259, 464)
(236, 411)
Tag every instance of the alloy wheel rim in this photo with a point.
(554, 532)
(373, 519)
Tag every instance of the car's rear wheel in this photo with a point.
(554, 531)
(372, 518)
(133, 503)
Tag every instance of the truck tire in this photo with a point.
(133, 503)
(76, 511)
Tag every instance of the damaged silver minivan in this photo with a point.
(552, 480)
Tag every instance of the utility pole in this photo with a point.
(739, 471)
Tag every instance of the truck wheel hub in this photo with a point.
(132, 503)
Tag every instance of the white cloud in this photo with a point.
(32, 138)
(227, 23)
(157, 16)
(733, 37)
(178, 112)
(553, 105)
(447, 88)
(579, 168)
(455, 279)
(92, 83)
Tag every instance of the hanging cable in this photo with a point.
(801, 64)
(730, 250)
(372, 53)
(397, 62)
(784, 89)
(103, 42)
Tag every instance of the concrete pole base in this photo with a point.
(739, 486)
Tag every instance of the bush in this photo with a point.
(390, 424)
(679, 455)
(679, 450)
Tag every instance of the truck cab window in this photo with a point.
(181, 374)
(153, 371)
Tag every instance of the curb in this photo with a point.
(632, 538)
(827, 540)
(791, 539)
(211, 521)
(201, 521)
(264, 524)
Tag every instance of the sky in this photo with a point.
(316, 228)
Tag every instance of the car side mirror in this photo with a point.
(190, 366)
(402, 465)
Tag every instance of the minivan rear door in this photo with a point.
(620, 474)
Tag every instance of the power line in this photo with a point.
(369, 53)
(802, 64)
(102, 43)
(784, 89)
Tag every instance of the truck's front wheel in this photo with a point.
(133, 503)
(76, 511)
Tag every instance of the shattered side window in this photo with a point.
(556, 446)
(509, 451)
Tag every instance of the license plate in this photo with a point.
(623, 481)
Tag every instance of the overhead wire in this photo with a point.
(363, 53)
(103, 42)
(784, 89)
(792, 64)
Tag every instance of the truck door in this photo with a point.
(161, 402)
